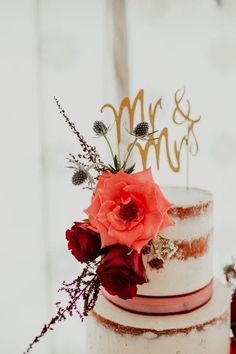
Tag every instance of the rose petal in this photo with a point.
(124, 238)
(115, 221)
(166, 222)
(105, 209)
(144, 176)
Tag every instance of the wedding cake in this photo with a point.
(182, 309)
(146, 285)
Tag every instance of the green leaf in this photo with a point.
(111, 167)
(130, 169)
(86, 221)
(116, 163)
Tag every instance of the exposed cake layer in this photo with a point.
(187, 202)
(203, 331)
(190, 268)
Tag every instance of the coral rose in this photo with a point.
(121, 270)
(128, 209)
(84, 242)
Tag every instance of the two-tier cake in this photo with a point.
(182, 309)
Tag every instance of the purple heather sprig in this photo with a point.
(85, 287)
(90, 152)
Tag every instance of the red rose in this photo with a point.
(233, 313)
(84, 242)
(233, 346)
(121, 270)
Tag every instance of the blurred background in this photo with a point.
(88, 53)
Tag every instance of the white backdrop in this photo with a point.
(64, 48)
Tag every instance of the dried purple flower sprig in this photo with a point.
(85, 287)
(90, 152)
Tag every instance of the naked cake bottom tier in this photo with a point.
(203, 331)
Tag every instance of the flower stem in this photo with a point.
(130, 150)
(109, 145)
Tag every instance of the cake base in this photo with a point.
(203, 331)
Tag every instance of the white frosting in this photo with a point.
(180, 196)
(179, 277)
(214, 338)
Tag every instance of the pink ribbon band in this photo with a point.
(163, 305)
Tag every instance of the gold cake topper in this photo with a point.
(181, 116)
